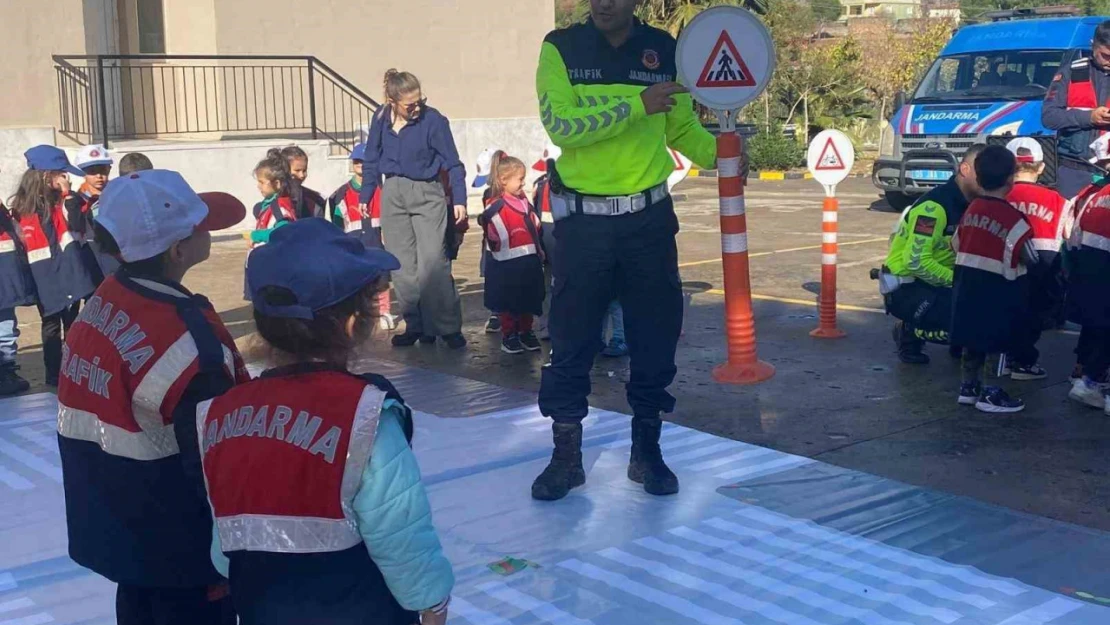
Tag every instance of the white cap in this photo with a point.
(550, 152)
(148, 211)
(483, 166)
(91, 156)
(1101, 149)
(1035, 151)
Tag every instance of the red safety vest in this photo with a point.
(268, 219)
(990, 237)
(126, 363)
(1092, 222)
(543, 198)
(510, 233)
(376, 208)
(1081, 91)
(1045, 209)
(345, 204)
(35, 239)
(283, 458)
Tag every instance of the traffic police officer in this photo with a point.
(1076, 106)
(921, 260)
(141, 355)
(608, 98)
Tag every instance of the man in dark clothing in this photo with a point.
(1076, 106)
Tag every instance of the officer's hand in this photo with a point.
(1100, 116)
(657, 98)
(364, 210)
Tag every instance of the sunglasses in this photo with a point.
(408, 108)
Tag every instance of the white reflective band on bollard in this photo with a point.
(732, 206)
(728, 167)
(828, 237)
(828, 259)
(734, 243)
(828, 217)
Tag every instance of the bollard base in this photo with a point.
(828, 333)
(753, 373)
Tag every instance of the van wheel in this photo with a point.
(898, 200)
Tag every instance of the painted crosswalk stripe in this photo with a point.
(847, 562)
(34, 619)
(16, 604)
(519, 411)
(745, 456)
(647, 593)
(767, 468)
(713, 589)
(701, 452)
(968, 575)
(769, 584)
(676, 438)
(7, 582)
(15, 481)
(543, 610)
(1044, 613)
(49, 442)
(29, 460)
(474, 614)
(832, 580)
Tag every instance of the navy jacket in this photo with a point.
(1074, 128)
(65, 278)
(17, 286)
(418, 152)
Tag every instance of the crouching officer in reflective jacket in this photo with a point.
(608, 98)
(139, 358)
(316, 494)
(920, 262)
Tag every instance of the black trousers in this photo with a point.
(1093, 350)
(632, 258)
(54, 328)
(204, 605)
(926, 309)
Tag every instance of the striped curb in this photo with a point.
(767, 175)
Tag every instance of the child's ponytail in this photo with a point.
(275, 168)
(495, 186)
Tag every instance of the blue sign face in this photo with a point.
(930, 175)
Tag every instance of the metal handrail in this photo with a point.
(125, 96)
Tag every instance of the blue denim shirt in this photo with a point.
(418, 152)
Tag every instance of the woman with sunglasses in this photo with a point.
(408, 145)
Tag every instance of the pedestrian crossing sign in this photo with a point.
(725, 67)
(830, 159)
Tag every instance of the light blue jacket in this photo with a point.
(395, 520)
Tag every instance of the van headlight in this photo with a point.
(886, 145)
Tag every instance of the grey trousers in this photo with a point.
(414, 225)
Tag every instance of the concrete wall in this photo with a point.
(31, 33)
(13, 143)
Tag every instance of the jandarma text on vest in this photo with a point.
(129, 342)
(986, 223)
(82, 371)
(266, 423)
(1032, 209)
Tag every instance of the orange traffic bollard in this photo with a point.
(826, 325)
(743, 366)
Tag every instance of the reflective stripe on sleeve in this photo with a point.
(85, 426)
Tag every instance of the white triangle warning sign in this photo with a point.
(678, 166)
(725, 67)
(830, 159)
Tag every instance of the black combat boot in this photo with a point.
(565, 470)
(646, 466)
(909, 345)
(10, 382)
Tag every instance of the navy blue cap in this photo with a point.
(358, 153)
(318, 262)
(50, 158)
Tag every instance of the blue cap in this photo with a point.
(50, 158)
(358, 153)
(318, 262)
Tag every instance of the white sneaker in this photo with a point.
(1087, 392)
(387, 322)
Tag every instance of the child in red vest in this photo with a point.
(1045, 209)
(541, 202)
(347, 214)
(308, 203)
(276, 208)
(514, 269)
(990, 292)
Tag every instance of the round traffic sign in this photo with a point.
(830, 157)
(725, 57)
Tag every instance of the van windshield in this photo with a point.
(1002, 75)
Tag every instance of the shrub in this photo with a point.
(773, 151)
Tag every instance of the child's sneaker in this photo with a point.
(615, 349)
(1024, 373)
(1087, 391)
(511, 344)
(529, 341)
(493, 325)
(995, 400)
(969, 393)
(387, 322)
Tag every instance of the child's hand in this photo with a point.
(61, 183)
(364, 210)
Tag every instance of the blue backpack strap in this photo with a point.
(391, 393)
(210, 351)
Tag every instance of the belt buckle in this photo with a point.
(621, 205)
